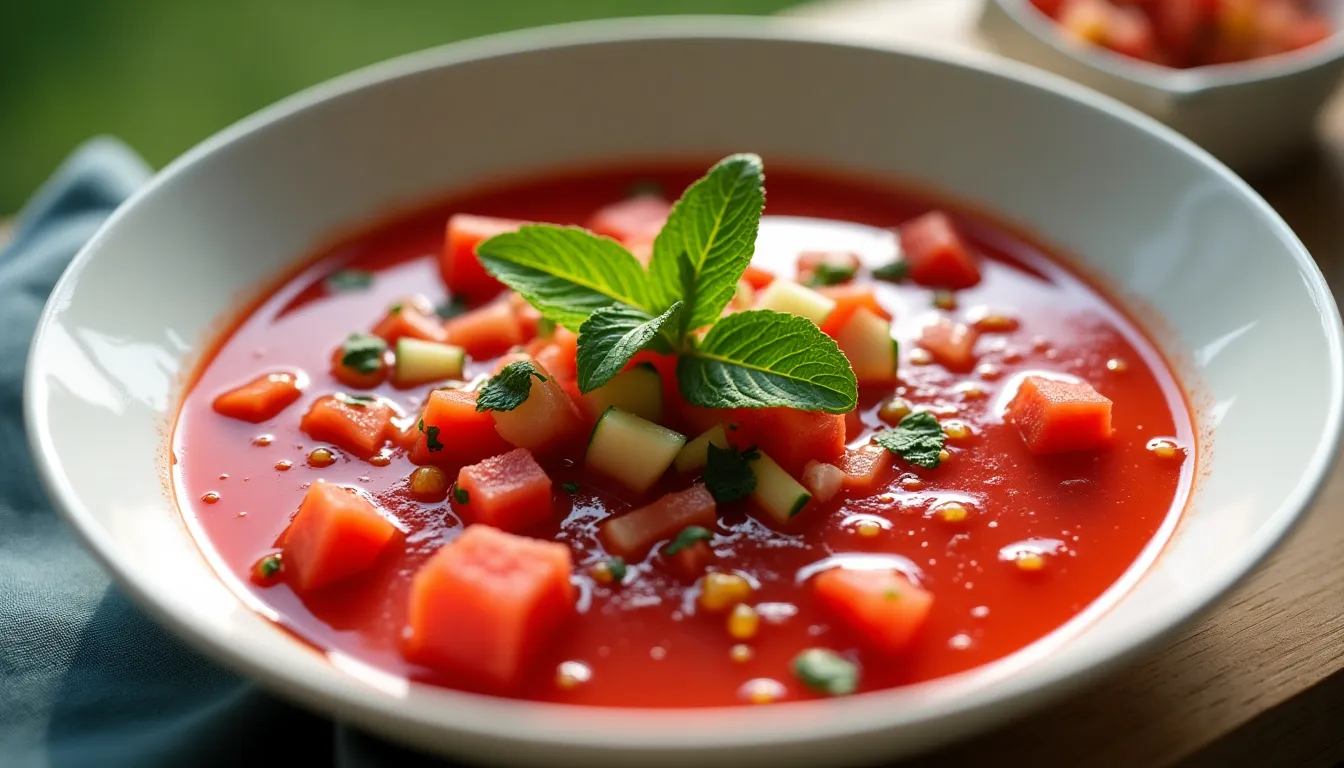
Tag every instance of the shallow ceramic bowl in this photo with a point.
(1229, 292)
(1251, 115)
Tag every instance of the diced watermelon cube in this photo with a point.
(359, 426)
(336, 534)
(462, 271)
(510, 491)
(485, 605)
(461, 434)
(261, 399)
(1058, 416)
(936, 252)
(883, 609)
(636, 219)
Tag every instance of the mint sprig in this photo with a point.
(592, 284)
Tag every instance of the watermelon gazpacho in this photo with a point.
(633, 438)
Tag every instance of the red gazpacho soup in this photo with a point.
(639, 438)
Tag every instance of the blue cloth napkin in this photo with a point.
(86, 679)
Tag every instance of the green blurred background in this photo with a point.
(164, 74)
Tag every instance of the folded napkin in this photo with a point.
(86, 679)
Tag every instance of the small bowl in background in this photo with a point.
(1252, 115)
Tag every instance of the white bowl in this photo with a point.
(1227, 287)
(1251, 115)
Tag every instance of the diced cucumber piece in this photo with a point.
(867, 341)
(794, 299)
(638, 391)
(778, 494)
(420, 362)
(632, 450)
(696, 453)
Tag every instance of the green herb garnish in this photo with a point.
(616, 567)
(269, 566)
(830, 274)
(918, 439)
(346, 280)
(894, 272)
(509, 388)
(431, 434)
(826, 671)
(570, 488)
(460, 494)
(451, 308)
(363, 353)
(750, 359)
(728, 475)
(689, 537)
(356, 401)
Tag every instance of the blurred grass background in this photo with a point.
(164, 74)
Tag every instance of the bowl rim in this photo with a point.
(573, 726)
(1179, 82)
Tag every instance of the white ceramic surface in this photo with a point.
(1247, 310)
(1251, 115)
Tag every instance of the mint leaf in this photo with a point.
(714, 224)
(346, 280)
(363, 353)
(431, 436)
(617, 568)
(728, 475)
(451, 308)
(570, 488)
(830, 274)
(826, 671)
(509, 388)
(460, 494)
(918, 439)
(893, 272)
(565, 272)
(355, 401)
(763, 359)
(612, 335)
(688, 537)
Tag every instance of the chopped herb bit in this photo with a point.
(570, 488)
(347, 280)
(944, 299)
(509, 388)
(269, 566)
(830, 274)
(431, 433)
(356, 401)
(894, 272)
(616, 567)
(826, 671)
(689, 537)
(645, 188)
(460, 494)
(451, 308)
(728, 474)
(918, 439)
(363, 353)
(395, 309)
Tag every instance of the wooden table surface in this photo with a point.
(1260, 680)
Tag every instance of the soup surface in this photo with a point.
(878, 568)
